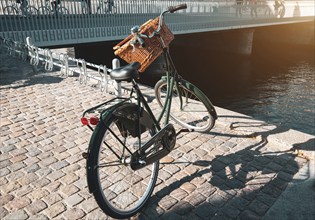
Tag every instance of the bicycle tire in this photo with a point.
(198, 113)
(114, 10)
(105, 10)
(116, 187)
(10, 10)
(44, 10)
(62, 11)
(31, 10)
(100, 10)
(282, 12)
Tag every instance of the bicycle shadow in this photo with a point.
(307, 146)
(242, 183)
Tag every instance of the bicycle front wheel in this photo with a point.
(190, 107)
(63, 11)
(31, 10)
(101, 10)
(119, 191)
(44, 11)
(282, 12)
(9, 10)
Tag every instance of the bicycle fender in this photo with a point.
(127, 116)
(205, 99)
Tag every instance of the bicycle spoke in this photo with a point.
(113, 163)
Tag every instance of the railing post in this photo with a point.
(29, 48)
(117, 86)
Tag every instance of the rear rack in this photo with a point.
(99, 109)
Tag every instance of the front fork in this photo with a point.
(168, 100)
(171, 82)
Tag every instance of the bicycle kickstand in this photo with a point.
(184, 130)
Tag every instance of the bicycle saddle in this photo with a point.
(126, 73)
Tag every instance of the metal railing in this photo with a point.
(67, 65)
(84, 21)
(101, 7)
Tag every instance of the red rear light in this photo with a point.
(94, 120)
(84, 121)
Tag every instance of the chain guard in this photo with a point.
(163, 141)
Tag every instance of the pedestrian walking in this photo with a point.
(110, 5)
(253, 8)
(54, 5)
(239, 5)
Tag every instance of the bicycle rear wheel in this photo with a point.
(190, 107)
(119, 191)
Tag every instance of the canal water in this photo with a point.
(275, 84)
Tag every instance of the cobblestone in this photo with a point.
(18, 203)
(55, 210)
(182, 208)
(205, 210)
(179, 193)
(74, 213)
(5, 199)
(195, 199)
(20, 214)
(36, 207)
(73, 200)
(227, 173)
(167, 202)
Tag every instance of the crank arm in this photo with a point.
(156, 137)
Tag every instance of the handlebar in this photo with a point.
(172, 9)
(135, 30)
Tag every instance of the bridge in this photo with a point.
(76, 22)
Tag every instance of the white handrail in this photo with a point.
(51, 59)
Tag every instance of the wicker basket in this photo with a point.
(153, 47)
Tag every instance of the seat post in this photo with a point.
(117, 85)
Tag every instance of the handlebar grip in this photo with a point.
(172, 9)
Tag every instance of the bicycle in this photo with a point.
(127, 142)
(264, 9)
(106, 6)
(23, 9)
(279, 8)
(47, 9)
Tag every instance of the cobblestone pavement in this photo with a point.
(237, 171)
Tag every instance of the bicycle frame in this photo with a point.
(105, 6)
